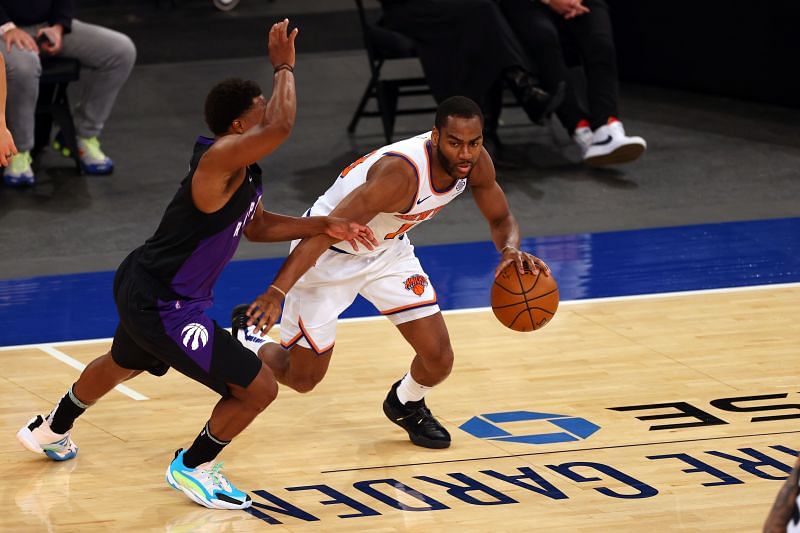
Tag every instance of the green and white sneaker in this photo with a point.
(92, 158)
(19, 172)
(205, 485)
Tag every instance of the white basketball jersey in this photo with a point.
(389, 227)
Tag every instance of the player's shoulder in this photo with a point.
(392, 165)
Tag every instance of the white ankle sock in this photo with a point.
(252, 341)
(411, 391)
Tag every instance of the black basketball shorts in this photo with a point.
(154, 335)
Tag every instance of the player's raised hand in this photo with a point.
(265, 310)
(522, 259)
(281, 44)
(352, 232)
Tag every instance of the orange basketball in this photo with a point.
(524, 302)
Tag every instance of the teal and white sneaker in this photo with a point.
(19, 172)
(205, 485)
(37, 436)
(92, 158)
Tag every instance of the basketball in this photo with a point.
(524, 302)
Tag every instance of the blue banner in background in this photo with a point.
(586, 265)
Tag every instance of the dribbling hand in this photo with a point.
(514, 255)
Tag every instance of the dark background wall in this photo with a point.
(745, 49)
(737, 48)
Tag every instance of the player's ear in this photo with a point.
(435, 135)
(237, 127)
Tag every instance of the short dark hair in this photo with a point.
(457, 106)
(227, 100)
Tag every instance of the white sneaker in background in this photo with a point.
(610, 146)
(583, 136)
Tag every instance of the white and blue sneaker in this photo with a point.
(37, 436)
(611, 146)
(244, 333)
(205, 485)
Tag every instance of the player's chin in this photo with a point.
(464, 169)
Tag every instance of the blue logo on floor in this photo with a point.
(487, 426)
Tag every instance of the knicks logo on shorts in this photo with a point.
(416, 284)
(195, 333)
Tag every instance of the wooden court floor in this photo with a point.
(718, 368)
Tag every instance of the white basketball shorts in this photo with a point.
(392, 280)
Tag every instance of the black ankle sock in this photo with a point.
(204, 449)
(68, 409)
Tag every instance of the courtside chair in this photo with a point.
(384, 45)
(53, 104)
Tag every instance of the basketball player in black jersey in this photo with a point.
(164, 287)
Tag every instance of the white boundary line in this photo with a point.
(64, 358)
(569, 303)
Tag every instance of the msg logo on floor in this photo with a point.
(553, 481)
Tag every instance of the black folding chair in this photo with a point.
(383, 45)
(53, 104)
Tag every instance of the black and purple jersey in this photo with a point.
(190, 248)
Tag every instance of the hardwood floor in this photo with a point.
(600, 382)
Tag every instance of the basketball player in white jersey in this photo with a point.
(391, 190)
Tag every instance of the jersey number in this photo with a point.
(354, 164)
(404, 228)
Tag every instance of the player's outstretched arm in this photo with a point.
(390, 187)
(274, 227)
(232, 152)
(492, 202)
(785, 502)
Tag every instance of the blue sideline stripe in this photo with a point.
(586, 265)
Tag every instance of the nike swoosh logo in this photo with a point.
(606, 141)
(423, 199)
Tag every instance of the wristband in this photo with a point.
(279, 290)
(284, 66)
(7, 27)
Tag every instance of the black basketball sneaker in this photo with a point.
(415, 417)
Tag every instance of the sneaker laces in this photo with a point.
(20, 163)
(91, 148)
(421, 415)
(212, 473)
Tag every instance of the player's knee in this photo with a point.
(261, 392)
(305, 384)
(441, 360)
(446, 359)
